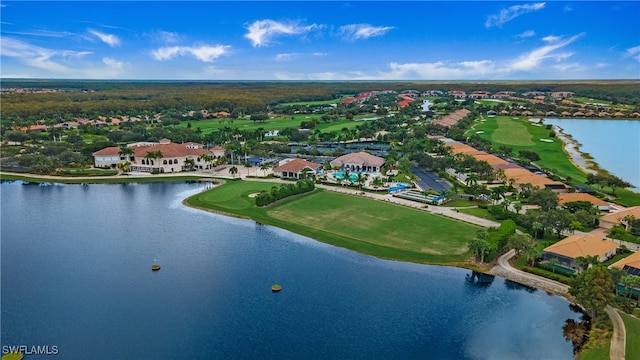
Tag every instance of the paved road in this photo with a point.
(619, 338)
(505, 270)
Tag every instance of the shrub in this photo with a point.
(265, 198)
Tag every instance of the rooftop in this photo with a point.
(582, 245)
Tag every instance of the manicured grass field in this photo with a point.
(365, 225)
(278, 123)
(632, 327)
(314, 103)
(513, 133)
(519, 134)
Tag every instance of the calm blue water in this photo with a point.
(614, 144)
(76, 274)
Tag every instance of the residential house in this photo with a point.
(580, 245)
(619, 217)
(577, 196)
(562, 94)
(458, 94)
(360, 161)
(295, 168)
(522, 176)
(630, 264)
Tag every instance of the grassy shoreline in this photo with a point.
(315, 215)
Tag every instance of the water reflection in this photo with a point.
(479, 279)
(512, 285)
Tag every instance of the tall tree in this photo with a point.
(233, 171)
(593, 289)
(545, 198)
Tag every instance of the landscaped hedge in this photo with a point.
(547, 274)
(285, 190)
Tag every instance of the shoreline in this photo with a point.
(579, 159)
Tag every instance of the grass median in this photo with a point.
(368, 226)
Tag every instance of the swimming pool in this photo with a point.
(340, 176)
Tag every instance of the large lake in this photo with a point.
(76, 274)
(614, 144)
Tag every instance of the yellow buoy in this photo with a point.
(155, 267)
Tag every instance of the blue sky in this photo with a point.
(330, 40)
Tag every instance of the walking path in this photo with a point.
(504, 269)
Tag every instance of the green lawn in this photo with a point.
(520, 134)
(314, 103)
(365, 225)
(632, 327)
(277, 123)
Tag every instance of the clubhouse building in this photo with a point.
(360, 161)
(161, 157)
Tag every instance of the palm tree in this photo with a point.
(472, 179)
(377, 182)
(248, 166)
(233, 171)
(230, 148)
(124, 166)
(152, 155)
(627, 220)
(479, 248)
(575, 225)
(264, 167)
(517, 206)
(536, 226)
(189, 163)
(245, 148)
(553, 262)
(126, 152)
(208, 159)
(361, 178)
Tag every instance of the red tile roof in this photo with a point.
(108, 151)
(582, 245)
(296, 165)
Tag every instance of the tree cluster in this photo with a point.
(276, 193)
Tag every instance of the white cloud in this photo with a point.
(43, 33)
(442, 70)
(204, 53)
(285, 57)
(526, 34)
(292, 56)
(43, 62)
(533, 59)
(109, 39)
(113, 64)
(261, 32)
(36, 56)
(406, 71)
(511, 13)
(633, 52)
(354, 32)
(168, 37)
